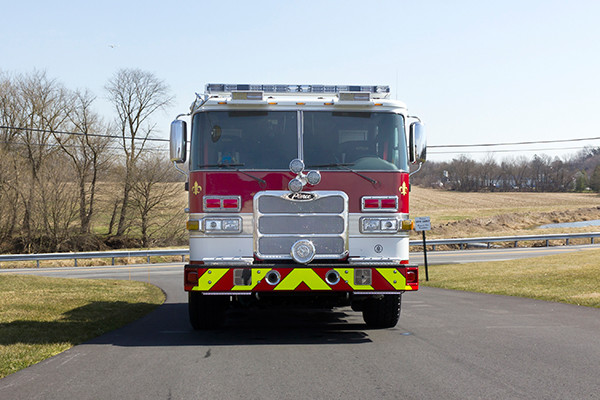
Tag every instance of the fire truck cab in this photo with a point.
(298, 195)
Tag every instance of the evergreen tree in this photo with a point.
(595, 179)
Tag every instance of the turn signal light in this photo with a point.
(408, 225)
(412, 277)
(190, 279)
(193, 225)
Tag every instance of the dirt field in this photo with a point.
(456, 214)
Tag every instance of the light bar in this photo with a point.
(376, 91)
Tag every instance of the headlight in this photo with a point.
(378, 225)
(222, 225)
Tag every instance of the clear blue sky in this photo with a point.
(475, 71)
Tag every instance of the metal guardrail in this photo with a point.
(94, 254)
(487, 241)
(482, 241)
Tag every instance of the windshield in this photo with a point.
(355, 140)
(368, 141)
(244, 139)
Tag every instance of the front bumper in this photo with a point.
(286, 278)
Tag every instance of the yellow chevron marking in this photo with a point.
(210, 277)
(258, 274)
(395, 279)
(299, 275)
(347, 275)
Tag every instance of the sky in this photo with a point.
(474, 71)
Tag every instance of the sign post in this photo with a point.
(424, 224)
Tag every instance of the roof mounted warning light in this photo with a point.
(375, 92)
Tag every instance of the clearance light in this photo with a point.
(379, 203)
(222, 203)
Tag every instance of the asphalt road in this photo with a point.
(451, 345)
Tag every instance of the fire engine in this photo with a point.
(298, 195)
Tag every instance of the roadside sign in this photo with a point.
(422, 224)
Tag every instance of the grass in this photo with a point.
(41, 317)
(459, 214)
(564, 278)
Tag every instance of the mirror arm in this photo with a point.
(179, 169)
(418, 169)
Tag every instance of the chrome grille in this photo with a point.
(282, 218)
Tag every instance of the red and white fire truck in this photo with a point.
(298, 194)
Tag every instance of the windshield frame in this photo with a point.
(299, 149)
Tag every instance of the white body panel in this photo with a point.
(395, 247)
(202, 248)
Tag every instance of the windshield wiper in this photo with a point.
(331, 165)
(345, 166)
(220, 165)
(262, 182)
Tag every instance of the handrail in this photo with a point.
(185, 252)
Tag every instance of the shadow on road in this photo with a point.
(169, 326)
(74, 326)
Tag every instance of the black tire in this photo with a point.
(382, 313)
(206, 312)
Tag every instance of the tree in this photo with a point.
(581, 181)
(514, 171)
(595, 179)
(41, 105)
(136, 95)
(87, 153)
(154, 197)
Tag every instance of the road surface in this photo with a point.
(450, 345)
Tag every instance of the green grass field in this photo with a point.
(572, 278)
(41, 317)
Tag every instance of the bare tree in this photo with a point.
(514, 171)
(42, 106)
(87, 153)
(154, 196)
(136, 95)
(9, 210)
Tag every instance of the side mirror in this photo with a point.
(417, 143)
(178, 141)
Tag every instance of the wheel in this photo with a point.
(206, 312)
(383, 312)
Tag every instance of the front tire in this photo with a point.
(383, 312)
(206, 312)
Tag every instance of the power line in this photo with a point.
(74, 146)
(82, 134)
(513, 143)
(504, 151)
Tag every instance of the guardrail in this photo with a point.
(462, 242)
(487, 241)
(94, 254)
